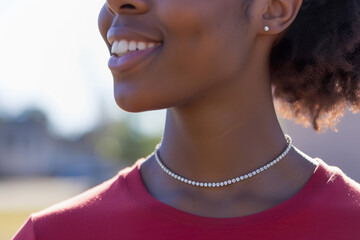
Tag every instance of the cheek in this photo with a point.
(203, 45)
(202, 49)
(105, 20)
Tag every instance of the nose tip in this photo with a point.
(127, 6)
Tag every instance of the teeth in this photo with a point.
(132, 46)
(114, 47)
(141, 45)
(123, 46)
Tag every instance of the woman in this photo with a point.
(224, 168)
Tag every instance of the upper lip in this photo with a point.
(123, 33)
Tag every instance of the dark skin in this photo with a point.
(212, 76)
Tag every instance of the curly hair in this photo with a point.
(315, 66)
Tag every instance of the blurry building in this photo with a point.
(28, 148)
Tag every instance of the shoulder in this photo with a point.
(340, 192)
(90, 200)
(81, 212)
(342, 184)
(93, 198)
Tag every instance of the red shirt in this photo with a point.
(327, 207)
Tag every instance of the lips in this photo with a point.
(132, 58)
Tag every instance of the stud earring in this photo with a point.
(266, 28)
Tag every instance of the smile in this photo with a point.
(126, 55)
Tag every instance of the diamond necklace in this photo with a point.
(228, 182)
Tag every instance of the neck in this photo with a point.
(219, 137)
(223, 133)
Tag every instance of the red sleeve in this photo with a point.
(26, 231)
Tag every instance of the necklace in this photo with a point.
(223, 183)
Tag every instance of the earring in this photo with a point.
(266, 28)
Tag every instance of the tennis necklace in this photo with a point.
(223, 183)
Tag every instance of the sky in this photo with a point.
(53, 58)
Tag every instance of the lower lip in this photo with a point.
(131, 59)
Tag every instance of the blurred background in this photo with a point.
(61, 131)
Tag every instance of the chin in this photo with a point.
(131, 103)
(129, 99)
(140, 99)
(134, 102)
(130, 106)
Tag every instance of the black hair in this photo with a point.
(315, 66)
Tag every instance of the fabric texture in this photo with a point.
(327, 207)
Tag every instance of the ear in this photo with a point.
(279, 14)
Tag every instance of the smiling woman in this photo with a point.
(224, 167)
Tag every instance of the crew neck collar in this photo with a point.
(301, 199)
